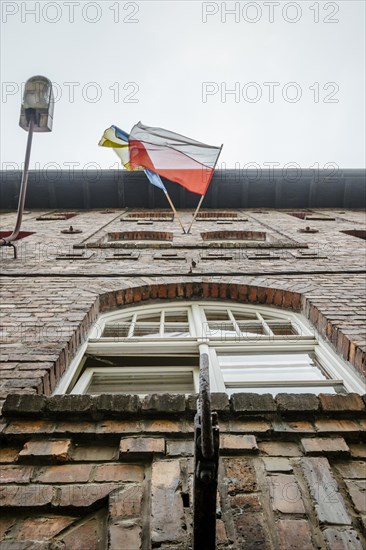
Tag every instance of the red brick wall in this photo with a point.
(77, 470)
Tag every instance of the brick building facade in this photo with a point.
(115, 470)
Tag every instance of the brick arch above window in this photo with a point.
(285, 298)
(188, 290)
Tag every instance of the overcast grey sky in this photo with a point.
(295, 70)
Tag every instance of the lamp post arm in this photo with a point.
(23, 189)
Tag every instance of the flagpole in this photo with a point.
(173, 208)
(203, 196)
(196, 212)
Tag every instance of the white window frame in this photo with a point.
(306, 341)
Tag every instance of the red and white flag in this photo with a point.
(175, 157)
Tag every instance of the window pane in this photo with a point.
(269, 368)
(216, 315)
(251, 329)
(282, 329)
(243, 316)
(176, 316)
(176, 330)
(285, 389)
(266, 360)
(117, 331)
(150, 318)
(142, 383)
(219, 329)
(272, 374)
(152, 329)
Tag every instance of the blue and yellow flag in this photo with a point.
(118, 140)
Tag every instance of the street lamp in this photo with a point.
(36, 115)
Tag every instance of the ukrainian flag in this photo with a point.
(117, 139)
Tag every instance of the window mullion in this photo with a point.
(198, 319)
(162, 320)
(132, 326)
(232, 318)
(83, 383)
(216, 378)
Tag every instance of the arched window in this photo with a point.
(155, 349)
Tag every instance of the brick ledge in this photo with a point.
(171, 406)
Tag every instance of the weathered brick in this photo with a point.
(163, 403)
(86, 535)
(93, 453)
(285, 494)
(279, 448)
(352, 469)
(325, 445)
(221, 536)
(251, 531)
(358, 450)
(118, 472)
(6, 522)
(83, 496)
(179, 447)
(247, 426)
(324, 492)
(357, 491)
(117, 404)
(294, 534)
(162, 426)
(29, 427)
(26, 495)
(299, 426)
(24, 405)
(73, 406)
(219, 402)
(342, 540)
(253, 402)
(240, 475)
(126, 502)
(29, 545)
(238, 443)
(299, 403)
(246, 502)
(57, 450)
(9, 454)
(334, 425)
(363, 524)
(338, 403)
(68, 473)
(274, 464)
(42, 528)
(142, 445)
(15, 474)
(124, 534)
(167, 516)
(117, 426)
